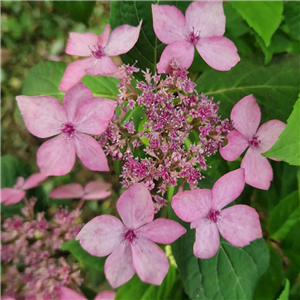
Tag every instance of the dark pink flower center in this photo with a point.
(194, 37)
(214, 215)
(131, 236)
(254, 141)
(98, 51)
(68, 129)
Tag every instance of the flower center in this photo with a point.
(68, 129)
(131, 236)
(254, 141)
(194, 37)
(214, 215)
(98, 51)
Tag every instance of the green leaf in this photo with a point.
(79, 11)
(44, 79)
(285, 293)
(263, 16)
(287, 148)
(105, 87)
(231, 274)
(275, 86)
(292, 18)
(284, 216)
(84, 257)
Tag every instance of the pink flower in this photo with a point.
(68, 294)
(203, 27)
(14, 195)
(45, 116)
(131, 245)
(120, 41)
(92, 191)
(245, 117)
(238, 224)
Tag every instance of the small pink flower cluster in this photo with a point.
(35, 267)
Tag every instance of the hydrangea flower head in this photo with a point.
(68, 294)
(82, 114)
(131, 243)
(100, 48)
(13, 195)
(245, 117)
(238, 224)
(203, 26)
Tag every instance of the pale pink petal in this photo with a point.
(74, 72)
(74, 97)
(162, 231)
(207, 238)
(19, 183)
(237, 144)
(218, 52)
(101, 235)
(103, 66)
(106, 295)
(192, 205)
(90, 152)
(33, 181)
(97, 190)
(135, 206)
(80, 44)
(168, 23)
(206, 17)
(258, 171)
(182, 52)
(103, 37)
(68, 294)
(228, 188)
(150, 261)
(94, 115)
(68, 191)
(245, 116)
(11, 196)
(122, 39)
(56, 157)
(118, 266)
(268, 134)
(43, 115)
(7, 298)
(239, 225)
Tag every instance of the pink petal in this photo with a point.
(218, 52)
(43, 115)
(162, 231)
(237, 144)
(118, 266)
(258, 171)
(34, 180)
(240, 225)
(74, 72)
(103, 66)
(245, 116)
(106, 295)
(101, 235)
(94, 115)
(228, 188)
(207, 238)
(206, 17)
(68, 294)
(268, 134)
(7, 298)
(135, 206)
(183, 52)
(150, 261)
(11, 196)
(56, 156)
(68, 191)
(74, 97)
(80, 44)
(168, 23)
(97, 190)
(192, 205)
(90, 152)
(122, 39)
(103, 37)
